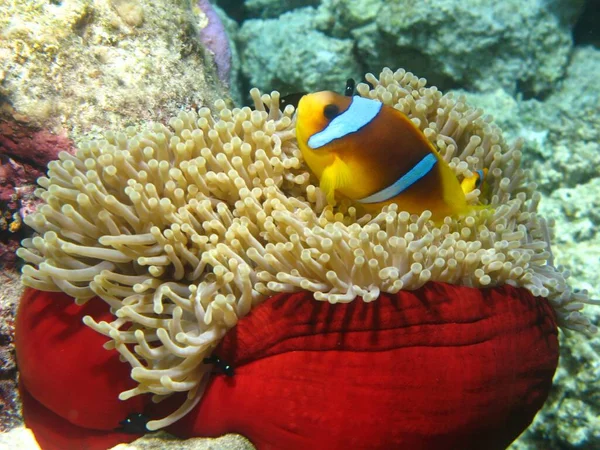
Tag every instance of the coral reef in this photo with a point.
(310, 61)
(451, 43)
(226, 51)
(569, 125)
(164, 441)
(269, 9)
(9, 402)
(76, 66)
(72, 67)
(32, 146)
(562, 148)
(586, 32)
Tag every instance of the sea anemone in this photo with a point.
(184, 230)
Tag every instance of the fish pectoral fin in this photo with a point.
(468, 184)
(335, 176)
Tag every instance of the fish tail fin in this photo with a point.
(336, 176)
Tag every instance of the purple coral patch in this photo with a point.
(214, 37)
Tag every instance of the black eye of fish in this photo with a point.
(331, 111)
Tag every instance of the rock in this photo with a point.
(19, 438)
(288, 54)
(130, 11)
(10, 291)
(562, 132)
(164, 441)
(25, 151)
(33, 146)
(76, 67)
(270, 9)
(515, 45)
(570, 117)
(578, 212)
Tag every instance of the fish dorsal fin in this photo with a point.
(335, 176)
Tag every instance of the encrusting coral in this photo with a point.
(182, 230)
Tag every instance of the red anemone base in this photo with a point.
(442, 367)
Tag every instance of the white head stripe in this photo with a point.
(421, 169)
(360, 112)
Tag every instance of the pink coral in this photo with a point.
(24, 153)
(33, 146)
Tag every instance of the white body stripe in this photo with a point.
(421, 169)
(360, 113)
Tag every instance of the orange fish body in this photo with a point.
(374, 155)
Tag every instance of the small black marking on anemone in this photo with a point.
(222, 365)
(291, 99)
(135, 423)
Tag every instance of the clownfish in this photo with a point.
(374, 155)
(474, 182)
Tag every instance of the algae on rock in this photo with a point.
(81, 65)
(270, 9)
(471, 43)
(475, 44)
(290, 55)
